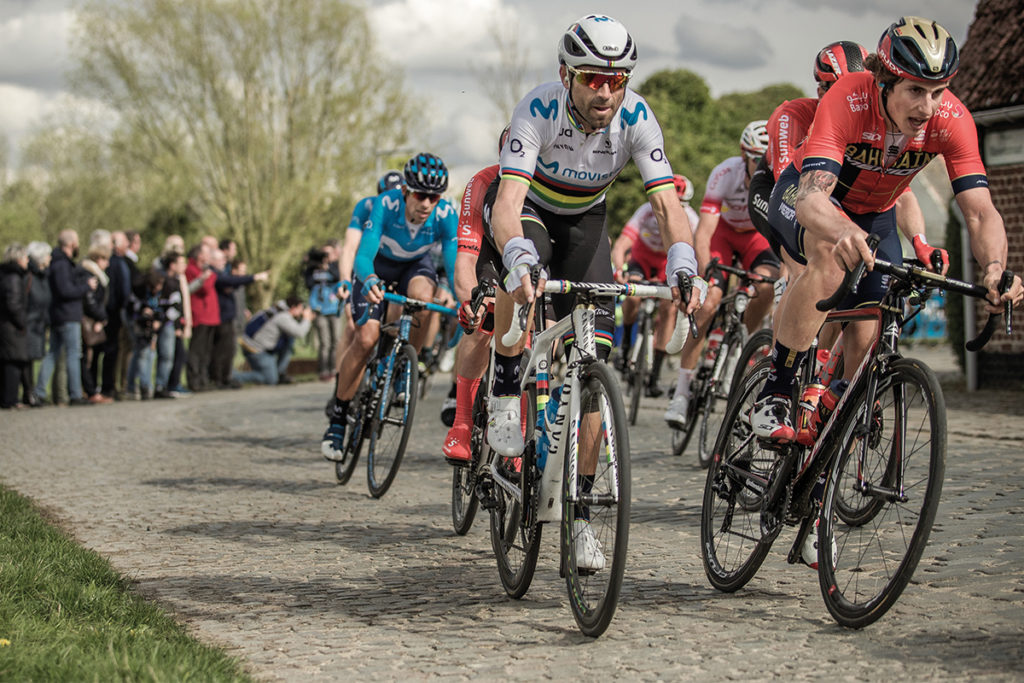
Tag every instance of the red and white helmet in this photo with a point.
(684, 188)
(597, 41)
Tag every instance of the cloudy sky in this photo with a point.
(443, 45)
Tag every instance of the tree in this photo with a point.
(700, 132)
(266, 112)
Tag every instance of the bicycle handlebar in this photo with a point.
(520, 314)
(910, 272)
(715, 264)
(406, 301)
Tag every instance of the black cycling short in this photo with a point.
(571, 247)
(761, 184)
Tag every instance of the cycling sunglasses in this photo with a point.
(616, 80)
(426, 197)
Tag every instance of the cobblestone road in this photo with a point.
(220, 508)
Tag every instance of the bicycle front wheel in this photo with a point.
(353, 446)
(464, 498)
(595, 507)
(515, 532)
(734, 542)
(392, 423)
(716, 398)
(638, 380)
(882, 494)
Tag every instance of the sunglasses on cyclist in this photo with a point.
(426, 197)
(616, 80)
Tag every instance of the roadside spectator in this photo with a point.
(242, 314)
(322, 278)
(13, 323)
(68, 290)
(146, 322)
(176, 304)
(39, 254)
(224, 339)
(174, 244)
(94, 317)
(119, 302)
(205, 316)
(268, 350)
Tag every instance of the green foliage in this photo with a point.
(700, 132)
(21, 210)
(66, 615)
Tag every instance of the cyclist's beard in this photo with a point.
(579, 114)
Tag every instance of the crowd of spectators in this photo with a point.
(107, 328)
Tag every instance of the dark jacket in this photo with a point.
(226, 284)
(39, 298)
(13, 313)
(68, 286)
(94, 304)
(119, 291)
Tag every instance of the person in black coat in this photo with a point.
(13, 322)
(39, 298)
(68, 288)
(94, 308)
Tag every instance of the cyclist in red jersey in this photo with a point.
(471, 358)
(871, 134)
(725, 230)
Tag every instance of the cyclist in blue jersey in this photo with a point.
(568, 141)
(395, 248)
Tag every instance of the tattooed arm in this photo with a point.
(823, 220)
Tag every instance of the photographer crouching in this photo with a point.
(267, 342)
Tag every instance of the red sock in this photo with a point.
(465, 394)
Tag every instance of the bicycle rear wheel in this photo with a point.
(464, 479)
(734, 542)
(681, 437)
(638, 380)
(887, 482)
(515, 533)
(355, 435)
(392, 423)
(597, 505)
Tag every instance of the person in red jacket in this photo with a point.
(205, 316)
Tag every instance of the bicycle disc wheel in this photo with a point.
(464, 498)
(638, 381)
(389, 434)
(733, 541)
(594, 566)
(515, 534)
(891, 478)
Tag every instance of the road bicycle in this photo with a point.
(382, 411)
(637, 367)
(869, 483)
(711, 384)
(553, 483)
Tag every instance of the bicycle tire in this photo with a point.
(464, 499)
(715, 403)
(681, 437)
(594, 593)
(515, 535)
(734, 543)
(875, 559)
(758, 346)
(353, 446)
(638, 380)
(387, 446)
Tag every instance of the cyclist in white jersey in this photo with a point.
(639, 254)
(568, 141)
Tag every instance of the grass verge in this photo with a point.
(65, 614)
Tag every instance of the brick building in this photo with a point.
(991, 84)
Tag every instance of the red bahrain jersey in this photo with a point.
(848, 138)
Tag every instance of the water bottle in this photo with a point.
(714, 341)
(545, 423)
(827, 404)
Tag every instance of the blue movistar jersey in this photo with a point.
(388, 233)
(361, 213)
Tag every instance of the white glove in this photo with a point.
(519, 255)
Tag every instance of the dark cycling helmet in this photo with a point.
(597, 41)
(426, 173)
(684, 188)
(838, 59)
(389, 181)
(919, 49)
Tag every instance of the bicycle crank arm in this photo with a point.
(509, 488)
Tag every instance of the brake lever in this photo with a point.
(685, 291)
(1005, 283)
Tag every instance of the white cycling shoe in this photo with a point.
(588, 548)
(504, 429)
(809, 550)
(676, 413)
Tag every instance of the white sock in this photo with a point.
(683, 383)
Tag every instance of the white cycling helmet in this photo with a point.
(597, 40)
(754, 140)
